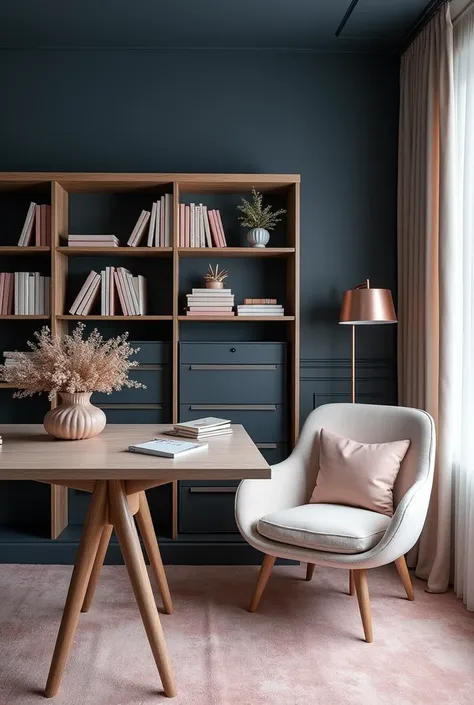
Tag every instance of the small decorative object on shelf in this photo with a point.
(215, 278)
(73, 367)
(259, 219)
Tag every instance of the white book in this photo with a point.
(224, 431)
(207, 229)
(16, 294)
(27, 226)
(207, 422)
(84, 289)
(151, 231)
(168, 219)
(165, 447)
(162, 221)
(133, 285)
(123, 274)
(192, 207)
(86, 305)
(142, 229)
(109, 293)
(121, 294)
(25, 292)
(157, 224)
(212, 292)
(131, 242)
(36, 295)
(41, 297)
(103, 299)
(47, 296)
(142, 294)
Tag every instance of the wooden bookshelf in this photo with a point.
(63, 187)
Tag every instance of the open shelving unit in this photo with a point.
(77, 198)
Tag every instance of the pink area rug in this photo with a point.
(304, 646)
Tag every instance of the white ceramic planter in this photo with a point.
(258, 237)
(75, 418)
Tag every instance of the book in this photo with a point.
(142, 294)
(205, 434)
(168, 219)
(157, 224)
(209, 313)
(214, 229)
(211, 309)
(137, 231)
(186, 226)
(79, 298)
(27, 231)
(161, 242)
(121, 294)
(191, 225)
(86, 306)
(165, 447)
(151, 231)
(221, 229)
(207, 422)
(249, 302)
(181, 224)
(211, 292)
(207, 229)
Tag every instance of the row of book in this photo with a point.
(92, 241)
(8, 359)
(37, 227)
(200, 227)
(155, 223)
(24, 293)
(120, 293)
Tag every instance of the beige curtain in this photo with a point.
(426, 303)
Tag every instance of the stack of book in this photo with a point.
(202, 428)
(157, 223)
(92, 241)
(37, 221)
(210, 302)
(27, 293)
(6, 293)
(119, 289)
(260, 307)
(200, 227)
(9, 361)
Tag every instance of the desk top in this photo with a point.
(29, 453)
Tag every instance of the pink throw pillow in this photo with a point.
(357, 474)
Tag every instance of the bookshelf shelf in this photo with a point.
(116, 251)
(114, 318)
(82, 203)
(23, 317)
(18, 251)
(256, 319)
(236, 251)
(5, 385)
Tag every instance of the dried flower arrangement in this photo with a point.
(256, 216)
(71, 364)
(216, 275)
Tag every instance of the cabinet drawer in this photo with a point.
(233, 353)
(151, 352)
(137, 413)
(207, 508)
(236, 383)
(156, 380)
(266, 423)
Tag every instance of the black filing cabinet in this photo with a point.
(243, 382)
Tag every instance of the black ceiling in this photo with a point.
(364, 25)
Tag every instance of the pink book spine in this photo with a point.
(3, 277)
(9, 306)
(118, 286)
(44, 235)
(181, 224)
(214, 230)
(221, 228)
(162, 222)
(111, 291)
(48, 225)
(186, 226)
(38, 226)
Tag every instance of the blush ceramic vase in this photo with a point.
(258, 237)
(75, 418)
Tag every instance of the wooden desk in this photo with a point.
(118, 480)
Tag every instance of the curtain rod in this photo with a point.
(422, 21)
(465, 9)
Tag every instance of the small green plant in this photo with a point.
(256, 216)
(216, 275)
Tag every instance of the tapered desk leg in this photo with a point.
(86, 553)
(147, 531)
(125, 529)
(98, 563)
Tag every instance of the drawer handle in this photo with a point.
(213, 490)
(233, 350)
(233, 367)
(146, 367)
(233, 407)
(130, 406)
(267, 445)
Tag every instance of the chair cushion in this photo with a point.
(325, 527)
(358, 474)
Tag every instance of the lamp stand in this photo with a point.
(353, 365)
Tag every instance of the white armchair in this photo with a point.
(274, 515)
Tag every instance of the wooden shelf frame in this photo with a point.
(61, 184)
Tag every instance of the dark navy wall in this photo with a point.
(332, 118)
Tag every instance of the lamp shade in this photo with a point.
(366, 306)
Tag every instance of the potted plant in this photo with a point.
(259, 219)
(215, 277)
(72, 367)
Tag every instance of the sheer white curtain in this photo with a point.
(463, 467)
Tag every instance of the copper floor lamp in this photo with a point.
(363, 306)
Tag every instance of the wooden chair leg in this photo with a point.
(147, 531)
(126, 531)
(352, 590)
(362, 591)
(88, 545)
(405, 577)
(97, 567)
(309, 571)
(264, 574)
